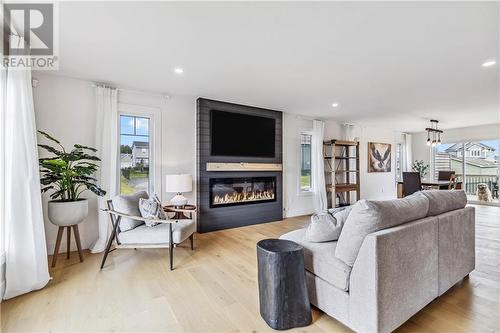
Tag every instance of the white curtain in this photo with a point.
(107, 146)
(408, 156)
(26, 266)
(318, 167)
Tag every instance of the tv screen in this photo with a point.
(236, 134)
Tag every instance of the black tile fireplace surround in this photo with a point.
(229, 199)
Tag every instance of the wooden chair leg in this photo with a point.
(110, 241)
(58, 243)
(78, 244)
(171, 246)
(68, 241)
(191, 238)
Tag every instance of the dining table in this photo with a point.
(431, 184)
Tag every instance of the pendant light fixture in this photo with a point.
(433, 134)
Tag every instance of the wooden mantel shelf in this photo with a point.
(243, 166)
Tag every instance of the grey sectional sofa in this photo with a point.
(392, 259)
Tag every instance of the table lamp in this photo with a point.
(178, 184)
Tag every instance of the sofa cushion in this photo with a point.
(319, 259)
(369, 216)
(444, 201)
(129, 204)
(326, 227)
(158, 234)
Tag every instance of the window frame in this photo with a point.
(301, 191)
(399, 158)
(154, 116)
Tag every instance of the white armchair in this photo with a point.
(167, 234)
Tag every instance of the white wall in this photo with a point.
(373, 185)
(65, 108)
(377, 185)
(420, 150)
(295, 202)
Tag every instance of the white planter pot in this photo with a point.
(66, 213)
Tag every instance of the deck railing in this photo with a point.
(471, 182)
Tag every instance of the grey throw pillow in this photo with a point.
(326, 227)
(129, 204)
(151, 209)
(369, 216)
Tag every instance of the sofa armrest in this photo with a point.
(394, 276)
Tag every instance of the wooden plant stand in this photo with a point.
(68, 242)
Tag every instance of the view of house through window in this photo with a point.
(305, 162)
(134, 154)
(480, 159)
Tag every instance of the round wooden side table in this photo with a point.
(180, 212)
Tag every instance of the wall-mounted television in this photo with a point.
(241, 135)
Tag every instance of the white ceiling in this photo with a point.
(391, 64)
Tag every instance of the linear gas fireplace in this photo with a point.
(241, 191)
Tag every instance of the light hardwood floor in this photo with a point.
(214, 289)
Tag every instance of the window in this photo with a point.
(134, 154)
(305, 162)
(399, 161)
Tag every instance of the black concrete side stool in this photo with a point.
(283, 298)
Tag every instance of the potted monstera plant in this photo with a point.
(68, 174)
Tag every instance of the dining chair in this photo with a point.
(450, 177)
(411, 183)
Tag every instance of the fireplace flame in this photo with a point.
(236, 197)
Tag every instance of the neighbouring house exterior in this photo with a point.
(140, 153)
(480, 159)
(474, 150)
(125, 161)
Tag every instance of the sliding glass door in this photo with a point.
(481, 160)
(475, 164)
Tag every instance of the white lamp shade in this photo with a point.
(178, 183)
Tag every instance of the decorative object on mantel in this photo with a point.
(379, 157)
(178, 184)
(420, 167)
(434, 133)
(68, 175)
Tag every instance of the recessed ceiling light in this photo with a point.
(489, 63)
(335, 104)
(178, 70)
